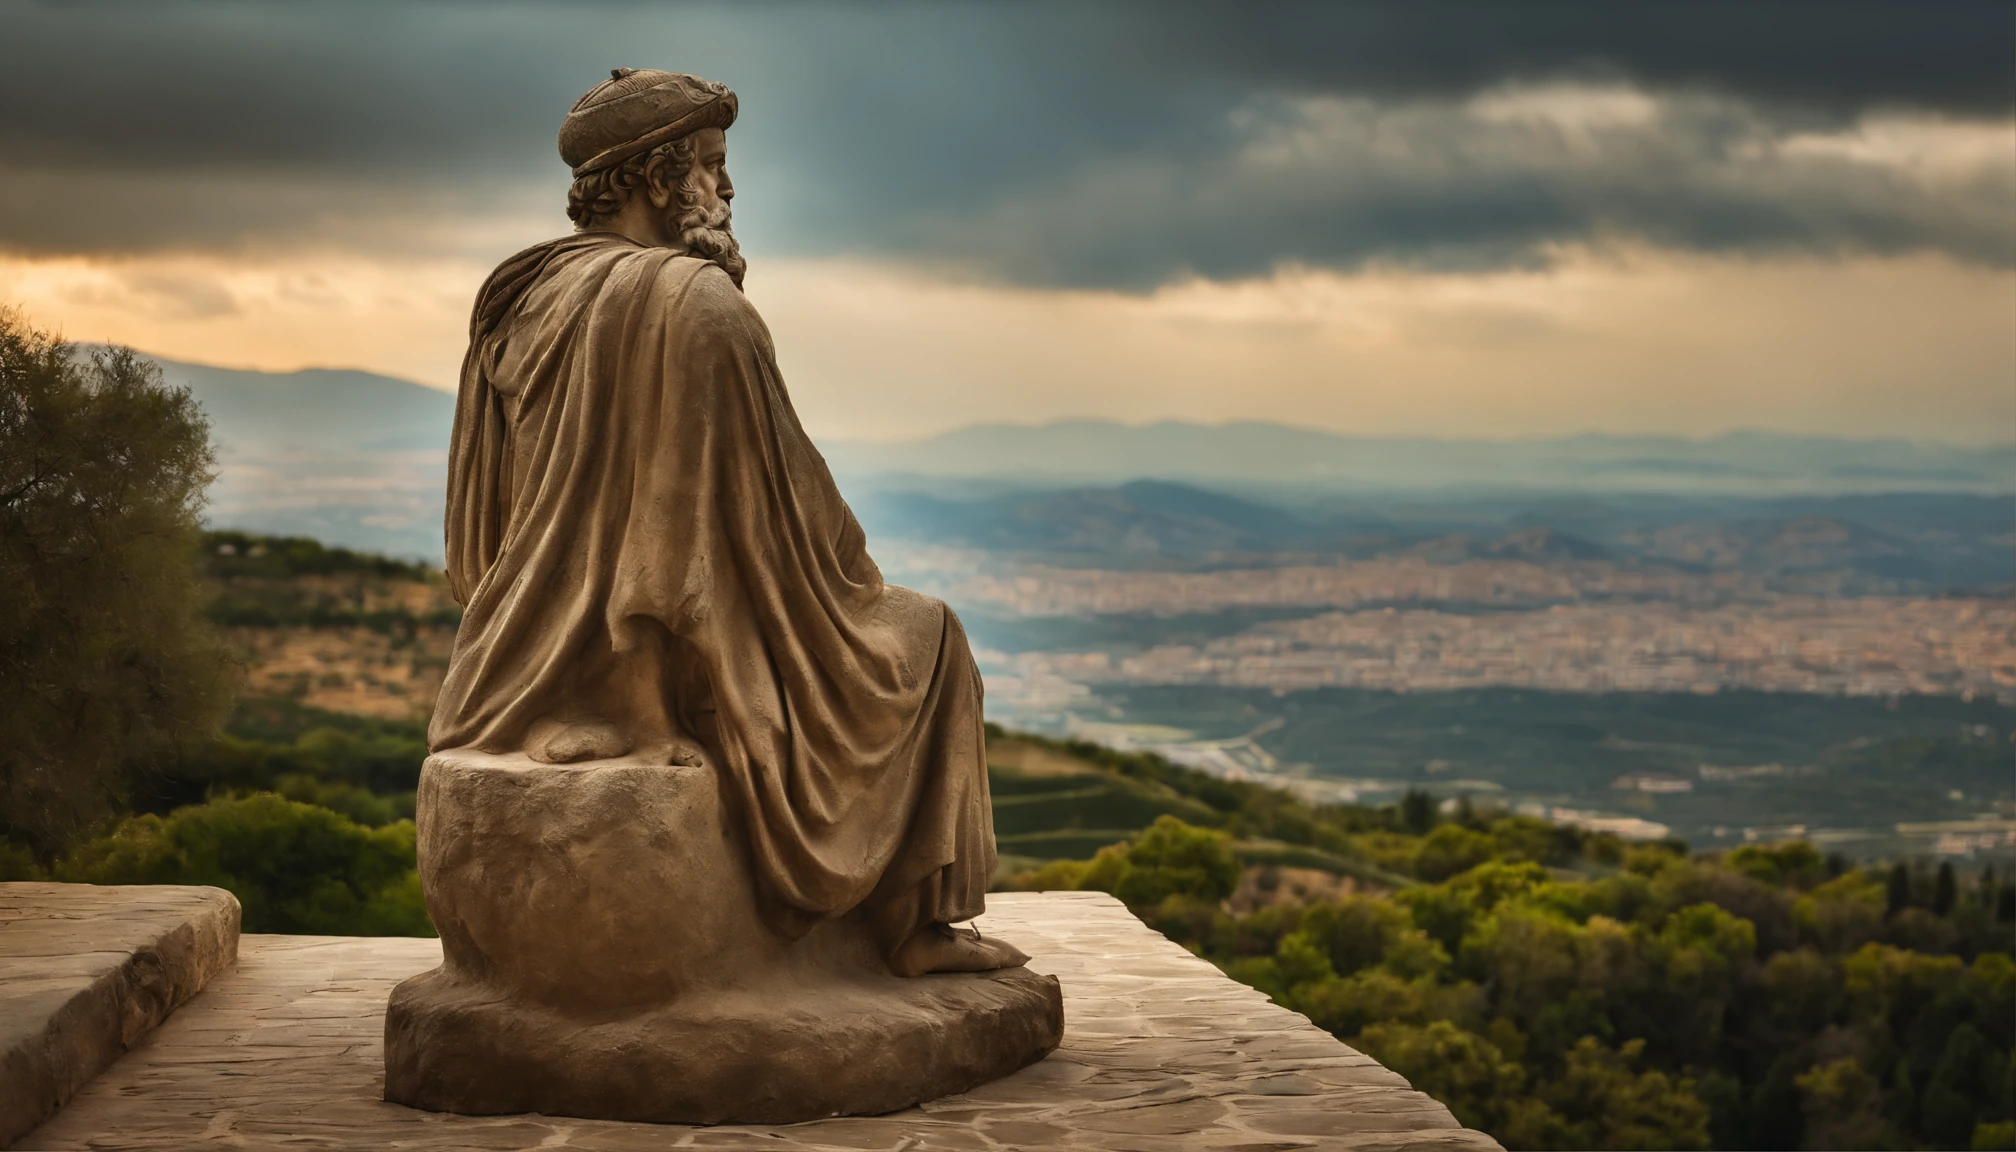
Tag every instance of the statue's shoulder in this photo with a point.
(704, 295)
(524, 271)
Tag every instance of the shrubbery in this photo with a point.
(366, 768)
(294, 867)
(1752, 999)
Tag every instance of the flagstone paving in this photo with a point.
(1161, 1051)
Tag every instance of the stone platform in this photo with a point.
(1160, 1051)
(86, 972)
(604, 956)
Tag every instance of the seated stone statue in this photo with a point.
(707, 795)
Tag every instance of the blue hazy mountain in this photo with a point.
(352, 458)
(360, 459)
(1924, 542)
(1738, 463)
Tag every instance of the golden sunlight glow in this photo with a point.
(1631, 341)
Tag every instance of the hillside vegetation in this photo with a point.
(1556, 987)
(1568, 991)
(345, 631)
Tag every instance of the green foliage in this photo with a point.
(1169, 859)
(364, 767)
(229, 554)
(305, 815)
(1032, 806)
(1051, 816)
(1994, 1136)
(1174, 859)
(1360, 932)
(18, 863)
(1843, 1106)
(1608, 1103)
(106, 660)
(258, 583)
(1451, 849)
(1417, 812)
(1461, 1069)
(1751, 999)
(294, 867)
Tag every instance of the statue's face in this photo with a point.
(687, 209)
(710, 167)
(709, 174)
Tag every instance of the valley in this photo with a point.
(1873, 726)
(1551, 628)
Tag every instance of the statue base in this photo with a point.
(603, 957)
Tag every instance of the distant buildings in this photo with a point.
(1864, 646)
(1653, 783)
(1622, 827)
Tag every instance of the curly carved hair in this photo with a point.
(596, 196)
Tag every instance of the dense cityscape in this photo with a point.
(1868, 646)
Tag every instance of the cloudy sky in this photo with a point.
(1475, 220)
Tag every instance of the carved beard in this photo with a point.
(706, 233)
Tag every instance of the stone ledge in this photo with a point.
(86, 972)
(1160, 1051)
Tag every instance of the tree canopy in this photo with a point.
(1766, 997)
(107, 662)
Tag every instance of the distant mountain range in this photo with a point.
(360, 459)
(352, 458)
(1274, 455)
(1891, 542)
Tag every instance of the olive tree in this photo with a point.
(106, 659)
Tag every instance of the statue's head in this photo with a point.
(649, 151)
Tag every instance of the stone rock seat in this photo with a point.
(604, 957)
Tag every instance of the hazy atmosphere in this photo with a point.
(1379, 219)
(1435, 573)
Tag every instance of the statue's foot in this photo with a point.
(943, 948)
(552, 741)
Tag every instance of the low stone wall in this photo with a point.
(1160, 1051)
(86, 972)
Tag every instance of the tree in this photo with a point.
(1897, 895)
(1945, 890)
(1608, 1103)
(1361, 931)
(1417, 811)
(106, 661)
(1172, 858)
(1461, 1069)
(1843, 1106)
(1969, 1086)
(1450, 850)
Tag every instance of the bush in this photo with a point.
(294, 867)
(1174, 859)
(1461, 1069)
(1450, 850)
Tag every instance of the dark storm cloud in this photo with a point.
(1078, 144)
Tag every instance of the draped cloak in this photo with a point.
(643, 538)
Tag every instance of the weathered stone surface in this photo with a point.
(86, 972)
(604, 956)
(663, 586)
(285, 1049)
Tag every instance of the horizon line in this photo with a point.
(1059, 421)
